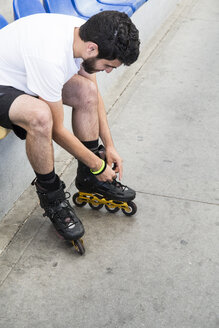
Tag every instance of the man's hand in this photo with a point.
(108, 175)
(114, 161)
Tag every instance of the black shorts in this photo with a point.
(7, 96)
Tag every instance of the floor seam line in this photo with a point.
(178, 198)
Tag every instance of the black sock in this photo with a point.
(48, 181)
(92, 145)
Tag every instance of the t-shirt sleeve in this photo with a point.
(44, 78)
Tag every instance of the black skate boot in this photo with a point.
(114, 195)
(62, 215)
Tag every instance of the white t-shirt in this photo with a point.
(36, 54)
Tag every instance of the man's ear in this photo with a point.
(92, 49)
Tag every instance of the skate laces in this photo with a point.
(66, 212)
(119, 185)
(69, 220)
(34, 181)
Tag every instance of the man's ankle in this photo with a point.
(50, 181)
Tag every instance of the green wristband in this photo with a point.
(101, 170)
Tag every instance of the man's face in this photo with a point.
(94, 65)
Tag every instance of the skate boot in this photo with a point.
(58, 209)
(114, 195)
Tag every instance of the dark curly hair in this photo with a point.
(115, 34)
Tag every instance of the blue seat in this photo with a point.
(24, 8)
(135, 4)
(89, 8)
(3, 21)
(61, 7)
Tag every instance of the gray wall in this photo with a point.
(15, 171)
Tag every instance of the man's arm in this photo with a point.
(72, 144)
(104, 130)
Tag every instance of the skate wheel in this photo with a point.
(77, 201)
(79, 246)
(111, 209)
(132, 209)
(95, 206)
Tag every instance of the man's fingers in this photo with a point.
(120, 174)
(120, 170)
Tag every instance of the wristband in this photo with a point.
(101, 170)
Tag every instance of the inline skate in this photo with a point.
(62, 215)
(113, 195)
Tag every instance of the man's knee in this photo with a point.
(88, 98)
(82, 95)
(90, 91)
(41, 120)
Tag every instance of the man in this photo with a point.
(47, 60)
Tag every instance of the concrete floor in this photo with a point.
(159, 268)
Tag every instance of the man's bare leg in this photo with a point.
(35, 117)
(81, 94)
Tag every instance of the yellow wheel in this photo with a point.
(77, 201)
(96, 206)
(79, 246)
(131, 210)
(111, 209)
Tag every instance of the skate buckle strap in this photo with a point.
(101, 170)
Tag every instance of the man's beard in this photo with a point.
(89, 65)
